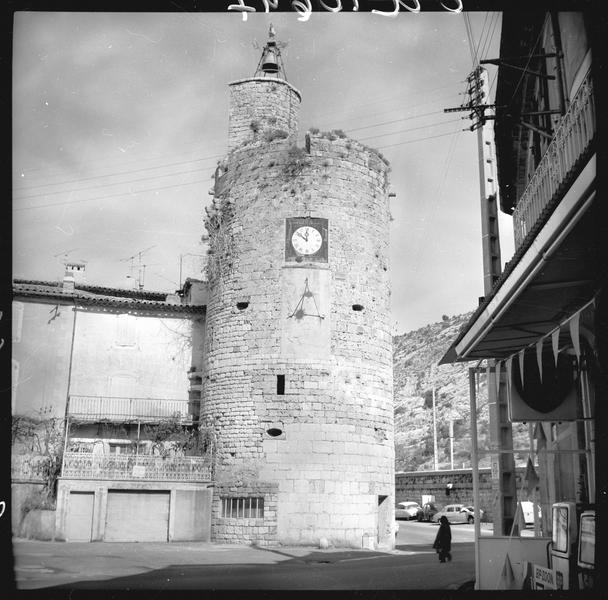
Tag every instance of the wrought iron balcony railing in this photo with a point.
(104, 408)
(80, 465)
(572, 138)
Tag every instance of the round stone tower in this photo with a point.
(298, 356)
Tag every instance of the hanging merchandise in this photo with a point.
(575, 334)
(531, 477)
(521, 355)
(509, 364)
(555, 344)
(539, 357)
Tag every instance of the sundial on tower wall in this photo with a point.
(305, 297)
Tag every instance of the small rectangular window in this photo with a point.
(280, 385)
(250, 507)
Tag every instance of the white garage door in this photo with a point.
(137, 516)
(80, 516)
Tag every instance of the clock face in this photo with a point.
(306, 240)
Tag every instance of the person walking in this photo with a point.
(443, 540)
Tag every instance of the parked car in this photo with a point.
(407, 510)
(428, 510)
(470, 510)
(528, 510)
(455, 513)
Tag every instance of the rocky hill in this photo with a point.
(415, 358)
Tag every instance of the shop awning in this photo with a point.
(550, 279)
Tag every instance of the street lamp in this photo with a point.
(452, 442)
(435, 462)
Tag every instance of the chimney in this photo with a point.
(74, 273)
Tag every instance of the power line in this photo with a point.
(157, 167)
(489, 39)
(411, 129)
(392, 110)
(435, 112)
(430, 137)
(482, 34)
(95, 187)
(469, 31)
(166, 187)
(398, 98)
(184, 162)
(200, 181)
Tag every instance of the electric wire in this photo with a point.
(134, 192)
(407, 130)
(392, 97)
(184, 162)
(102, 185)
(481, 35)
(533, 49)
(178, 163)
(430, 137)
(129, 193)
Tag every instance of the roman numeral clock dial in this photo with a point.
(306, 239)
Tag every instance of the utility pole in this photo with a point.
(500, 427)
(435, 461)
(478, 93)
(452, 443)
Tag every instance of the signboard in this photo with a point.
(139, 471)
(494, 467)
(544, 579)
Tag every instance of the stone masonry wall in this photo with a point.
(261, 106)
(261, 532)
(333, 460)
(411, 486)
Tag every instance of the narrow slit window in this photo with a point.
(280, 385)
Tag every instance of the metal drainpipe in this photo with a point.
(67, 400)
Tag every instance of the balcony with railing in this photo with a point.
(570, 143)
(121, 467)
(143, 410)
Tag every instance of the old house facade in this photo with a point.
(102, 399)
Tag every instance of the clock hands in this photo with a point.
(304, 237)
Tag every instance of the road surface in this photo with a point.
(204, 566)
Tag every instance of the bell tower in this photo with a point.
(264, 106)
(271, 62)
(298, 351)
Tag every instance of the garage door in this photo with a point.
(137, 516)
(80, 516)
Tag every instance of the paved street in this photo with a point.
(156, 566)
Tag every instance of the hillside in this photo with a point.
(413, 354)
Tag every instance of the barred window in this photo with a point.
(243, 508)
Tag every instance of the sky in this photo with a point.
(120, 118)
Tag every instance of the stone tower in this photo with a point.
(298, 355)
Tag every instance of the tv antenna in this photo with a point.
(136, 264)
(64, 254)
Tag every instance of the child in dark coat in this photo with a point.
(443, 540)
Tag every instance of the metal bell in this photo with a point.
(270, 64)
